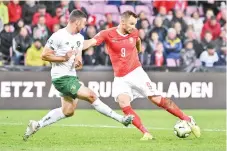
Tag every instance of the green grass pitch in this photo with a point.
(91, 131)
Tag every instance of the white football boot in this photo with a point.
(127, 120)
(31, 129)
(194, 127)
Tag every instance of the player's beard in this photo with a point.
(78, 29)
(127, 32)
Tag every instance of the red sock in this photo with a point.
(136, 121)
(173, 109)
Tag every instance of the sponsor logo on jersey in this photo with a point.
(114, 40)
(78, 43)
(149, 85)
(73, 88)
(50, 41)
(131, 40)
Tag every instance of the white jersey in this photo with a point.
(62, 42)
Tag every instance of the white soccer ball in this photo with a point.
(182, 129)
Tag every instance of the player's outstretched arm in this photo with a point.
(49, 55)
(89, 43)
(78, 61)
(139, 45)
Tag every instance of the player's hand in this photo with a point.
(69, 54)
(78, 62)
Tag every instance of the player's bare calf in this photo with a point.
(172, 108)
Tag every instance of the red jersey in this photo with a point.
(121, 49)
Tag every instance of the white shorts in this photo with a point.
(135, 84)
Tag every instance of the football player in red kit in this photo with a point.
(130, 80)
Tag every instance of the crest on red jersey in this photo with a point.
(131, 40)
(114, 40)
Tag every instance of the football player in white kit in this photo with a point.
(64, 51)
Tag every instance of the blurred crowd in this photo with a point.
(173, 33)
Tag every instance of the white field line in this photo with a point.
(108, 126)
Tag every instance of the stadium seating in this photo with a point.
(111, 9)
(124, 8)
(144, 8)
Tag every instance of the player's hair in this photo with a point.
(41, 6)
(76, 14)
(127, 14)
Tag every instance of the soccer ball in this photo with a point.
(182, 129)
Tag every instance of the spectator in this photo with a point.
(33, 55)
(28, 10)
(89, 57)
(222, 40)
(92, 20)
(14, 10)
(56, 28)
(42, 12)
(2, 62)
(144, 57)
(222, 56)
(4, 16)
(145, 54)
(40, 31)
(6, 37)
(158, 56)
(172, 45)
(1, 25)
(158, 27)
(109, 22)
(225, 27)
(169, 5)
(188, 54)
(191, 35)
(182, 5)
(20, 24)
(142, 36)
(221, 17)
(153, 40)
(197, 23)
(145, 25)
(90, 33)
(213, 26)
(21, 43)
(209, 14)
(163, 15)
(64, 5)
(62, 21)
(209, 57)
(180, 33)
(178, 17)
(207, 40)
(103, 58)
(76, 5)
(210, 5)
(141, 17)
(56, 18)
(101, 24)
(50, 6)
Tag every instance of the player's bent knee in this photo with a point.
(123, 100)
(68, 111)
(92, 96)
(155, 99)
(86, 94)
